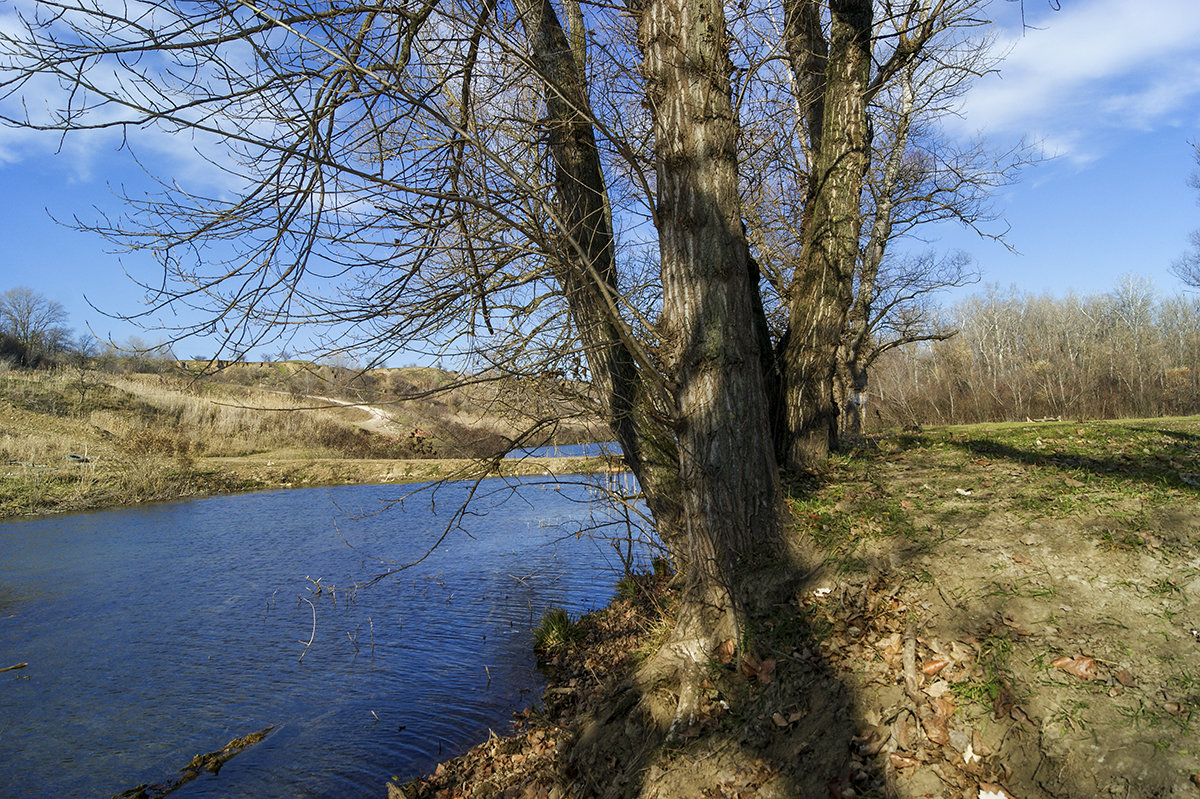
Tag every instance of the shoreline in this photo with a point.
(28, 492)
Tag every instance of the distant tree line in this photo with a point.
(1126, 352)
(33, 329)
(35, 333)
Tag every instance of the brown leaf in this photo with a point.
(725, 651)
(1082, 667)
(936, 729)
(903, 761)
(1072, 482)
(934, 666)
(762, 669)
(1024, 561)
(1126, 679)
(944, 706)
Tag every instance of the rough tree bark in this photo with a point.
(730, 491)
(823, 287)
(586, 270)
(850, 369)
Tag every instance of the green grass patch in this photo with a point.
(555, 633)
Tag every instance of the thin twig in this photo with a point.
(314, 629)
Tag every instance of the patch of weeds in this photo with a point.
(994, 652)
(1164, 587)
(1186, 681)
(1167, 615)
(555, 634)
(1120, 541)
(1072, 716)
(1024, 587)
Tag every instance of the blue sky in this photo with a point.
(1110, 88)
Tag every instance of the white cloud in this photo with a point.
(1094, 66)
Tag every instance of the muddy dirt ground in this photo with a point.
(1006, 611)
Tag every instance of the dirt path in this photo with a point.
(379, 421)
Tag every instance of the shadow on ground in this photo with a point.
(775, 722)
(1174, 466)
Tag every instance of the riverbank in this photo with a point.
(994, 611)
(87, 440)
(32, 489)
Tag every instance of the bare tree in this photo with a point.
(896, 309)
(446, 177)
(1187, 268)
(435, 178)
(888, 171)
(38, 324)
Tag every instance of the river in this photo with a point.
(155, 633)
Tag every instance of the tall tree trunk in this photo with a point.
(586, 269)
(728, 477)
(850, 394)
(823, 288)
(852, 356)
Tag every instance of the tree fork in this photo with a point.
(823, 289)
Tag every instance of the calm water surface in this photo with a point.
(156, 633)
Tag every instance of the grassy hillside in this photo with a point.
(79, 438)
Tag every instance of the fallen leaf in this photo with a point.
(1072, 482)
(903, 732)
(938, 689)
(1024, 561)
(778, 720)
(725, 651)
(1126, 679)
(1082, 667)
(990, 790)
(903, 761)
(936, 729)
(752, 666)
(969, 756)
(944, 706)
(934, 666)
(1174, 708)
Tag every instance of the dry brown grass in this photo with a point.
(148, 437)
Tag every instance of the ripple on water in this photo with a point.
(159, 632)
